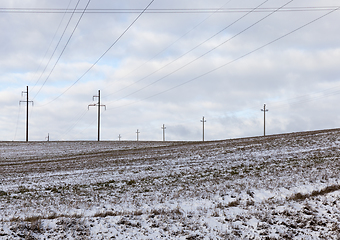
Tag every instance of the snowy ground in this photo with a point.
(276, 187)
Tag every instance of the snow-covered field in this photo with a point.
(275, 187)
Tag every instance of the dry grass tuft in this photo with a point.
(301, 197)
(105, 214)
(234, 203)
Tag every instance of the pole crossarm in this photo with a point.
(27, 101)
(95, 105)
(91, 105)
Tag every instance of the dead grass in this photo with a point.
(196, 172)
(301, 196)
(105, 214)
(233, 203)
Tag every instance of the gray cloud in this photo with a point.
(144, 86)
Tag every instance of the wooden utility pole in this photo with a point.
(98, 105)
(163, 132)
(26, 110)
(203, 121)
(264, 119)
(138, 132)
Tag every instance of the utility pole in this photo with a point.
(119, 137)
(26, 110)
(98, 105)
(203, 121)
(48, 137)
(138, 132)
(163, 132)
(264, 110)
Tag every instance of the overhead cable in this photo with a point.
(232, 61)
(159, 54)
(194, 60)
(161, 10)
(114, 43)
(74, 29)
(55, 34)
(164, 51)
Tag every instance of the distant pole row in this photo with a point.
(119, 136)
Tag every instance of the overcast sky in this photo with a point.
(172, 64)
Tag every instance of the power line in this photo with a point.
(307, 97)
(181, 57)
(301, 27)
(187, 64)
(103, 53)
(295, 100)
(74, 29)
(51, 44)
(234, 60)
(161, 10)
(76, 122)
(164, 51)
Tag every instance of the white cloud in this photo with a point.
(297, 76)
